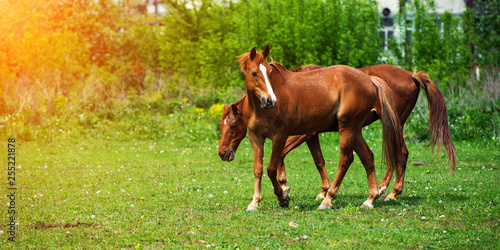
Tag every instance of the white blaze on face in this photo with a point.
(268, 84)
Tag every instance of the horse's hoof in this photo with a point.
(324, 206)
(251, 208)
(285, 203)
(367, 205)
(320, 197)
(382, 191)
(390, 198)
(286, 192)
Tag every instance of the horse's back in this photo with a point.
(352, 90)
(400, 81)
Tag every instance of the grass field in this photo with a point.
(116, 193)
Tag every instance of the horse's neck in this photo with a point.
(252, 101)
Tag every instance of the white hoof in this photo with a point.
(382, 191)
(367, 205)
(320, 197)
(324, 206)
(251, 208)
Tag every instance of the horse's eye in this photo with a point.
(234, 124)
(254, 73)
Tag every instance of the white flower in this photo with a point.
(93, 216)
(132, 205)
(441, 216)
(423, 218)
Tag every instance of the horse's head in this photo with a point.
(258, 71)
(233, 130)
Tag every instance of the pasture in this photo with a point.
(112, 192)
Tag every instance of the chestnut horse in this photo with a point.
(340, 98)
(405, 86)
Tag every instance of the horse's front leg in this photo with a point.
(272, 169)
(257, 141)
(315, 148)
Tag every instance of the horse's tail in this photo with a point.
(392, 142)
(438, 118)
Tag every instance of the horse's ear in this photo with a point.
(253, 53)
(265, 53)
(225, 106)
(235, 109)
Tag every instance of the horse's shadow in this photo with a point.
(306, 203)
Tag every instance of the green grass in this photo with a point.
(115, 193)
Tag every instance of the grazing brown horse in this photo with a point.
(280, 103)
(405, 86)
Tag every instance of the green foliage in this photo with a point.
(438, 44)
(198, 44)
(471, 117)
(487, 37)
(319, 32)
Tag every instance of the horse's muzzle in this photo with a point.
(267, 103)
(227, 155)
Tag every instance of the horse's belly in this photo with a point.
(314, 121)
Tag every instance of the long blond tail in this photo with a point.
(392, 142)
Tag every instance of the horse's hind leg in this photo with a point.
(384, 185)
(291, 143)
(347, 137)
(400, 176)
(366, 156)
(319, 161)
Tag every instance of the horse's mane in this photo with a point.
(279, 67)
(243, 60)
(307, 67)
